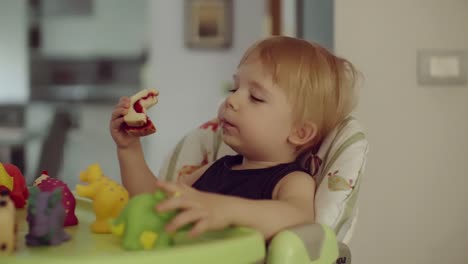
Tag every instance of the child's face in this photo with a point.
(256, 117)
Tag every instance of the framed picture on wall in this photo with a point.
(208, 24)
(66, 7)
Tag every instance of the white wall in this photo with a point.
(190, 81)
(289, 18)
(14, 70)
(115, 28)
(414, 207)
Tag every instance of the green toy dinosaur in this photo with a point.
(141, 226)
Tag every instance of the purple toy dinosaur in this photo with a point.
(46, 216)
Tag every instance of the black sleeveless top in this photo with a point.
(251, 183)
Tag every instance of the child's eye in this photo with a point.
(256, 99)
(233, 88)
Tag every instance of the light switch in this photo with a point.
(440, 67)
(444, 66)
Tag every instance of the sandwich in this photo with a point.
(136, 121)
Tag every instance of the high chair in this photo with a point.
(337, 167)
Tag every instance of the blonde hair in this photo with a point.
(320, 86)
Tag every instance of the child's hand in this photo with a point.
(206, 211)
(121, 137)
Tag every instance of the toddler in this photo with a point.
(287, 95)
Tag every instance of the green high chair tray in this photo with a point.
(234, 245)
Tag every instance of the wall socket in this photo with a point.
(441, 67)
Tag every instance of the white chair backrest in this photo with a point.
(338, 167)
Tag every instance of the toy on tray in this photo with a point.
(8, 228)
(108, 197)
(46, 216)
(12, 179)
(141, 226)
(136, 120)
(48, 184)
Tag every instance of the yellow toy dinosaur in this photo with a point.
(108, 197)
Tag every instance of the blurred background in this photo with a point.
(65, 63)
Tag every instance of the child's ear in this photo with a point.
(303, 133)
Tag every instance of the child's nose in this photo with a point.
(231, 102)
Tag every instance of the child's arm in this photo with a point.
(136, 176)
(293, 204)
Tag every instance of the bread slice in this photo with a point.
(136, 120)
(141, 131)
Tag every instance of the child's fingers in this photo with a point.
(168, 187)
(184, 218)
(124, 100)
(117, 123)
(124, 103)
(199, 228)
(176, 203)
(118, 112)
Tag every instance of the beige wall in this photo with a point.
(414, 206)
(191, 81)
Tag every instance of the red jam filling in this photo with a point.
(137, 105)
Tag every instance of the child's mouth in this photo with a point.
(227, 125)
